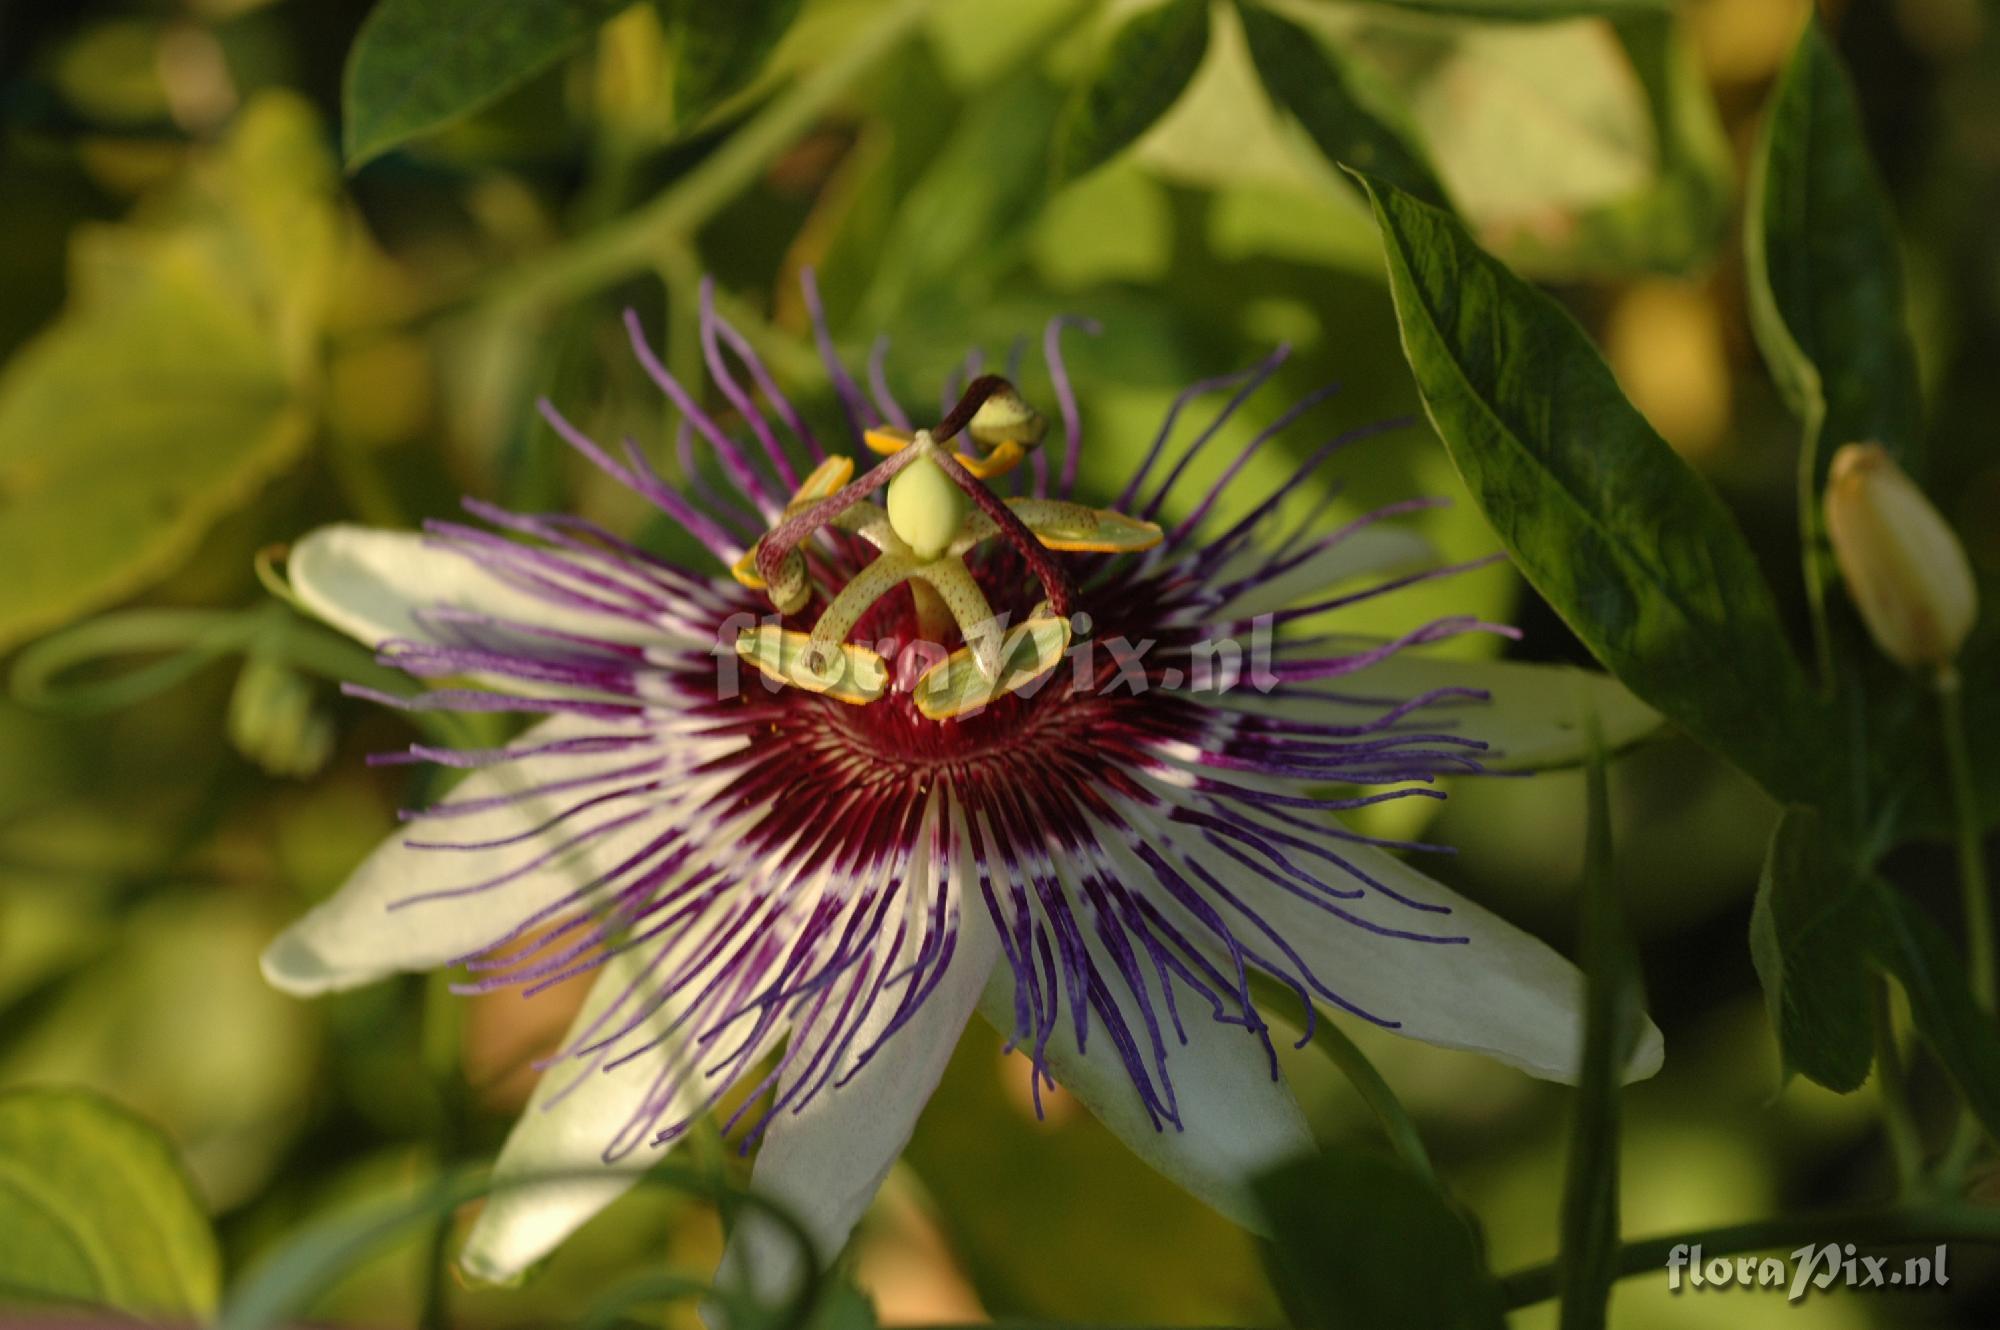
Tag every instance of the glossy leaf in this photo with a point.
(1141, 72)
(1361, 1240)
(94, 1208)
(421, 64)
(720, 48)
(1809, 936)
(1613, 1016)
(1629, 545)
(1336, 104)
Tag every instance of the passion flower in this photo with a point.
(1077, 768)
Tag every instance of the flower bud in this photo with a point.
(1905, 569)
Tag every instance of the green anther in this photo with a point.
(925, 508)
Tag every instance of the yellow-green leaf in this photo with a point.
(94, 1208)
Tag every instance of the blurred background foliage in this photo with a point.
(216, 335)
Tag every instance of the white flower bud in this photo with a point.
(1905, 570)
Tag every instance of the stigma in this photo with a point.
(927, 535)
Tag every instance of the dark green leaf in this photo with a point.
(1630, 546)
(94, 1208)
(1910, 945)
(420, 64)
(1142, 71)
(1337, 104)
(1826, 287)
(719, 48)
(1588, 1265)
(1362, 1241)
(1809, 937)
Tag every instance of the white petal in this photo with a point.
(824, 1162)
(1533, 722)
(361, 933)
(577, 1110)
(1236, 1120)
(1368, 551)
(1503, 993)
(367, 583)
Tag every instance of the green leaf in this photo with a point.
(720, 48)
(1613, 1003)
(1363, 1241)
(1142, 71)
(126, 429)
(1825, 286)
(1825, 278)
(1912, 947)
(1337, 103)
(1529, 11)
(1809, 936)
(94, 1208)
(1630, 546)
(420, 64)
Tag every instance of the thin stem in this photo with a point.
(1905, 1140)
(1955, 1222)
(632, 243)
(1389, 1112)
(1976, 898)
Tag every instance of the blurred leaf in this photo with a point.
(719, 48)
(1573, 148)
(1144, 68)
(1362, 1241)
(1911, 946)
(1529, 11)
(964, 219)
(94, 1208)
(125, 430)
(1826, 289)
(420, 64)
(1809, 939)
(1337, 103)
(173, 384)
(1624, 541)
(1588, 1264)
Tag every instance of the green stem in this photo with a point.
(1905, 1140)
(1925, 1224)
(1332, 1041)
(632, 243)
(1976, 898)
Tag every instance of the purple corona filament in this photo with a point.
(1099, 818)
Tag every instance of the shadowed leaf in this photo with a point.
(1336, 105)
(1141, 72)
(420, 64)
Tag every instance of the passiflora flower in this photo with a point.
(883, 765)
